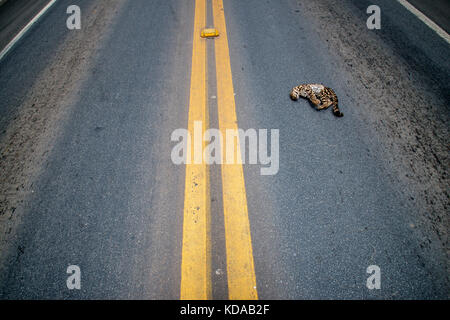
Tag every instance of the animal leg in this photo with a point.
(325, 105)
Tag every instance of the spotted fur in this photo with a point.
(321, 96)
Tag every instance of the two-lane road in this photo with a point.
(87, 177)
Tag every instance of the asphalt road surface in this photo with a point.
(87, 179)
(15, 15)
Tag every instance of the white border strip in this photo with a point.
(22, 32)
(444, 35)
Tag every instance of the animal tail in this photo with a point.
(336, 110)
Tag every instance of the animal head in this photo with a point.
(300, 91)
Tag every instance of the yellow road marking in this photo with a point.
(240, 268)
(196, 256)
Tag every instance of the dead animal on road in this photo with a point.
(321, 96)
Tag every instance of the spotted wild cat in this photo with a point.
(321, 96)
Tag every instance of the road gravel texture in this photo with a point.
(29, 132)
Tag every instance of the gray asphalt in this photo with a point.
(91, 183)
(15, 15)
(332, 210)
(437, 10)
(109, 199)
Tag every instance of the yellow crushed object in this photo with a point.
(209, 33)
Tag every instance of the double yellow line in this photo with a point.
(196, 252)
